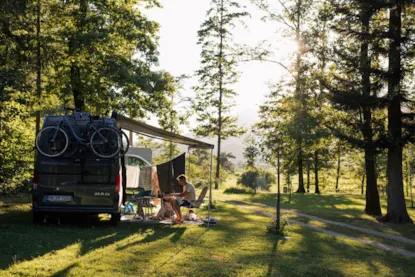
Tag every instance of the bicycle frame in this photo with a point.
(79, 139)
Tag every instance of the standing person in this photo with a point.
(185, 198)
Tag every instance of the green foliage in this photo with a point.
(214, 93)
(251, 152)
(218, 71)
(226, 163)
(16, 94)
(257, 179)
(283, 229)
(235, 190)
(98, 55)
(104, 51)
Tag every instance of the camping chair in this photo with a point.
(197, 203)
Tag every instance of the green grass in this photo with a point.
(237, 246)
(343, 208)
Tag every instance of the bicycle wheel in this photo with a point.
(52, 142)
(106, 142)
(125, 143)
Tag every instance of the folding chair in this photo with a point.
(197, 203)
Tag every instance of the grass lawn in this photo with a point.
(342, 208)
(237, 246)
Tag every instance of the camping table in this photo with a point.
(144, 203)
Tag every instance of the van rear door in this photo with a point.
(98, 186)
(68, 182)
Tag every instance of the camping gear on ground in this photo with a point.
(128, 208)
(191, 216)
(209, 221)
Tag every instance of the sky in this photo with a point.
(179, 54)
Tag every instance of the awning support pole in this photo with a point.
(210, 186)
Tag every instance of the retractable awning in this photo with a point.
(148, 130)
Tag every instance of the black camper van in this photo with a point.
(77, 181)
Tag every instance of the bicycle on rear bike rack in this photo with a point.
(105, 142)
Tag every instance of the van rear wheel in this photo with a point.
(37, 217)
(115, 218)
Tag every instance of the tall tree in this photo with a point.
(354, 90)
(251, 154)
(294, 17)
(179, 110)
(217, 74)
(318, 43)
(105, 52)
(17, 92)
(225, 161)
(396, 211)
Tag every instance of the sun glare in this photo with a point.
(288, 46)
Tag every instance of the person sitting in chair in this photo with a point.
(189, 192)
(185, 198)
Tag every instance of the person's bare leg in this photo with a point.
(176, 208)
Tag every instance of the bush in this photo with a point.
(284, 227)
(234, 190)
(257, 179)
(200, 183)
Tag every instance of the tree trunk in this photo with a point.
(363, 183)
(316, 166)
(289, 187)
(171, 126)
(308, 177)
(217, 179)
(279, 192)
(338, 167)
(76, 84)
(408, 177)
(301, 188)
(372, 194)
(38, 66)
(410, 191)
(396, 201)
(300, 97)
(75, 74)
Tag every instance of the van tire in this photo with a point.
(37, 217)
(115, 218)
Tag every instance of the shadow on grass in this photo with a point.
(64, 272)
(21, 240)
(271, 267)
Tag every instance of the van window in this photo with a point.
(134, 161)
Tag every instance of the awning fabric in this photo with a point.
(145, 129)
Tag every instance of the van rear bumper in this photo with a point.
(78, 209)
